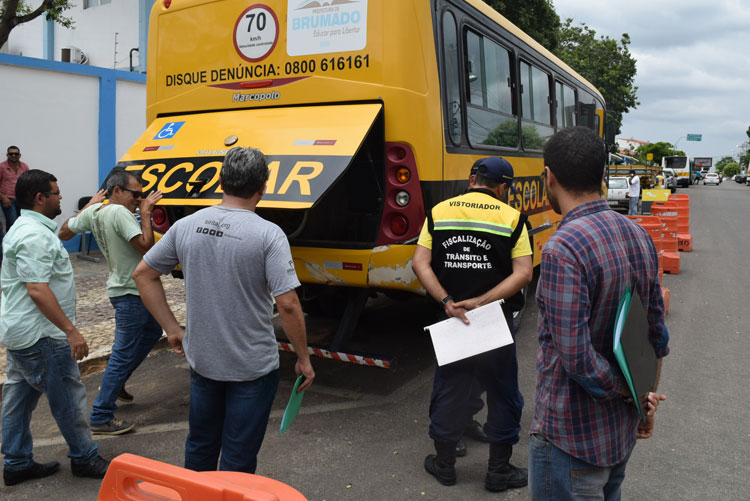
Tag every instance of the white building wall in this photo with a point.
(93, 33)
(53, 117)
(131, 114)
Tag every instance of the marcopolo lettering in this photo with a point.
(239, 97)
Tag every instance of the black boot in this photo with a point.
(501, 474)
(442, 466)
(461, 448)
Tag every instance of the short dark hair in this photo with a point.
(121, 178)
(243, 172)
(481, 180)
(576, 156)
(12, 148)
(29, 184)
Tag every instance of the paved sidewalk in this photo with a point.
(95, 315)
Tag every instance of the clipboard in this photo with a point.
(292, 408)
(453, 340)
(633, 350)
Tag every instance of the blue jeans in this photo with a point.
(136, 333)
(11, 214)
(46, 367)
(228, 417)
(555, 475)
(633, 206)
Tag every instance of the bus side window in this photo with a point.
(452, 76)
(536, 117)
(490, 117)
(586, 110)
(565, 105)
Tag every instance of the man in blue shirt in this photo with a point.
(37, 326)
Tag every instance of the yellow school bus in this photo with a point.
(369, 112)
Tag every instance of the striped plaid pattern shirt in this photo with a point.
(586, 265)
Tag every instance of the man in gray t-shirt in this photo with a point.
(234, 263)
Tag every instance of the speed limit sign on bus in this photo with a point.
(256, 33)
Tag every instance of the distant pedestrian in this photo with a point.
(634, 193)
(10, 170)
(584, 430)
(37, 326)
(235, 263)
(477, 227)
(123, 241)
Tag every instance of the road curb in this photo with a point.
(97, 360)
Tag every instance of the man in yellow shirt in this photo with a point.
(474, 249)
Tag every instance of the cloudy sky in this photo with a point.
(693, 67)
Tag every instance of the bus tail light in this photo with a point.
(402, 198)
(167, 3)
(403, 210)
(160, 219)
(403, 174)
(399, 224)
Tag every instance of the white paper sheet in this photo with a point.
(487, 330)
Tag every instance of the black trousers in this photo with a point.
(497, 372)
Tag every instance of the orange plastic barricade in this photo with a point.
(655, 228)
(135, 478)
(684, 238)
(667, 213)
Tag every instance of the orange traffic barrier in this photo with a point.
(135, 478)
(667, 213)
(655, 229)
(684, 238)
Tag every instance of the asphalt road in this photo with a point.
(362, 433)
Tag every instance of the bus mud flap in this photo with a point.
(355, 303)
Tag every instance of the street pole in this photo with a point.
(674, 146)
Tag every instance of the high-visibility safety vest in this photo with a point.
(473, 237)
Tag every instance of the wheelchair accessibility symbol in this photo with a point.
(169, 130)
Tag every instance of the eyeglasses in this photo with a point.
(14, 154)
(48, 193)
(136, 193)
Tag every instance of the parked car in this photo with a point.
(670, 180)
(617, 193)
(712, 178)
(741, 178)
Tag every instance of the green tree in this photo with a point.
(536, 17)
(604, 62)
(748, 132)
(15, 12)
(659, 150)
(721, 164)
(730, 169)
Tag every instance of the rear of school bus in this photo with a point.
(348, 119)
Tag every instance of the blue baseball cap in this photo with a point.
(497, 169)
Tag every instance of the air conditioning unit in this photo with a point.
(73, 55)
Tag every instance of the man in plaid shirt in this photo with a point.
(584, 430)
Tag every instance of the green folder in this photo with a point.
(292, 408)
(633, 349)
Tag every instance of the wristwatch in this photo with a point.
(445, 300)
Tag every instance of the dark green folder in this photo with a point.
(633, 350)
(292, 408)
